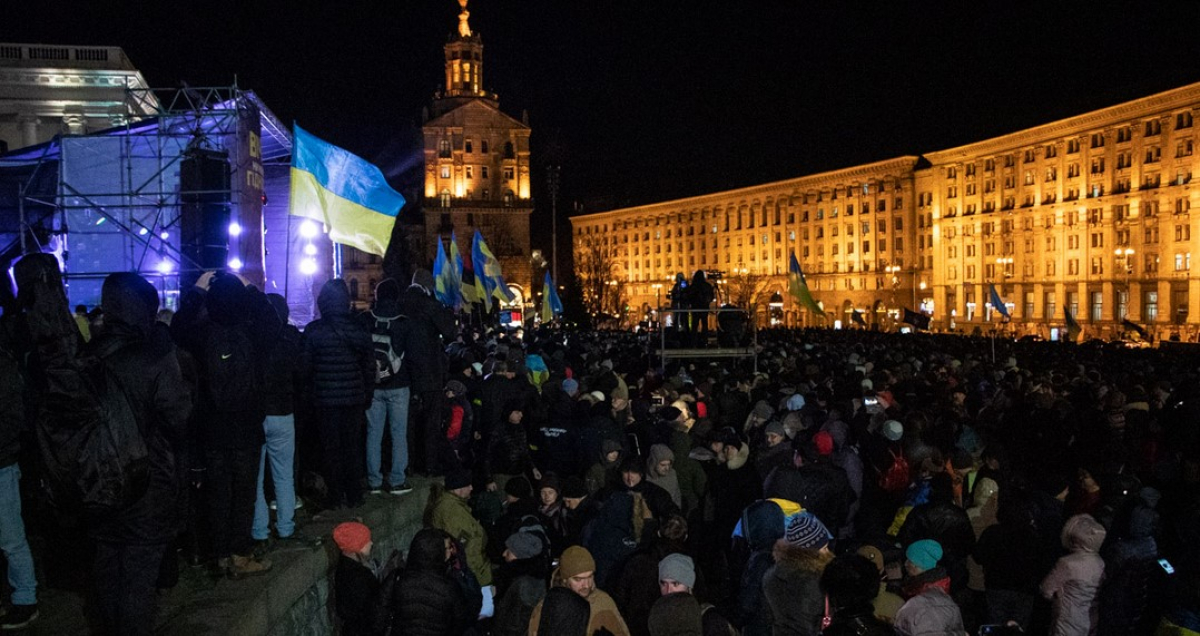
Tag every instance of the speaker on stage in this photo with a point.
(204, 219)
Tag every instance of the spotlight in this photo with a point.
(165, 266)
(164, 236)
(310, 250)
(308, 266)
(143, 232)
(308, 229)
(235, 264)
(235, 229)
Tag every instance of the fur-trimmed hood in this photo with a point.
(788, 556)
(739, 460)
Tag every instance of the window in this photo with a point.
(1183, 120)
(1153, 127)
(1072, 145)
(951, 172)
(508, 173)
(1072, 170)
(899, 245)
(1051, 173)
(1124, 160)
(1098, 165)
(469, 146)
(1050, 268)
(1153, 154)
(1073, 267)
(1049, 305)
(1028, 177)
(1097, 306)
(1180, 264)
(509, 153)
(1098, 140)
(951, 192)
(898, 223)
(470, 172)
(1182, 205)
(445, 172)
(1097, 265)
(1029, 155)
(1097, 240)
(1073, 242)
(1183, 232)
(1150, 234)
(1184, 148)
(444, 148)
(444, 199)
(484, 146)
(484, 173)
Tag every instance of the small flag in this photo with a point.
(798, 288)
(918, 321)
(998, 303)
(857, 317)
(471, 292)
(1136, 328)
(1073, 328)
(443, 281)
(456, 267)
(551, 304)
(487, 271)
(347, 193)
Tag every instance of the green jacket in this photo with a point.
(452, 514)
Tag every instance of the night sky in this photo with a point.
(644, 100)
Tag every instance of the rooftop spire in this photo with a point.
(464, 29)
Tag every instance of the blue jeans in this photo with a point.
(390, 407)
(12, 538)
(280, 448)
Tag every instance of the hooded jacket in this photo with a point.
(430, 327)
(793, 592)
(426, 600)
(931, 613)
(668, 482)
(337, 352)
(1073, 585)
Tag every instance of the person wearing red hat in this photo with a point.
(356, 589)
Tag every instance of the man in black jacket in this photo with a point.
(337, 357)
(389, 407)
(430, 326)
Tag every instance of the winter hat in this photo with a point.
(660, 452)
(609, 445)
(518, 487)
(872, 554)
(351, 536)
(678, 567)
(1082, 533)
(804, 530)
(387, 289)
(575, 560)
(763, 411)
(676, 614)
(423, 278)
(924, 554)
(795, 403)
(574, 488)
(893, 430)
(523, 545)
(458, 479)
(823, 442)
(458, 387)
(570, 386)
(597, 396)
(776, 428)
(550, 480)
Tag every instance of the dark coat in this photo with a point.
(793, 591)
(337, 353)
(636, 586)
(356, 595)
(430, 326)
(283, 373)
(508, 450)
(12, 394)
(820, 488)
(426, 601)
(947, 524)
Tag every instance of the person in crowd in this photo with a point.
(948, 524)
(553, 511)
(792, 586)
(636, 585)
(283, 375)
(563, 612)
(426, 600)
(1073, 586)
(660, 471)
(885, 602)
(928, 608)
(458, 420)
(606, 471)
(337, 355)
(430, 327)
(524, 574)
(390, 400)
(451, 514)
(850, 584)
(675, 614)
(508, 453)
(576, 571)
(356, 587)
(81, 321)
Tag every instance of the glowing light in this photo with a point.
(235, 264)
(310, 250)
(308, 229)
(165, 267)
(101, 220)
(235, 229)
(143, 232)
(164, 236)
(308, 266)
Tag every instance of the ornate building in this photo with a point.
(47, 90)
(477, 164)
(1090, 214)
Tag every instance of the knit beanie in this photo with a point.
(805, 530)
(678, 567)
(570, 386)
(776, 428)
(924, 554)
(551, 480)
(575, 560)
(457, 387)
(523, 545)
(893, 430)
(351, 536)
(423, 278)
(458, 479)
(823, 442)
(763, 411)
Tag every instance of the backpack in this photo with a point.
(387, 361)
(231, 377)
(896, 478)
(95, 456)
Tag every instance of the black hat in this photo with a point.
(518, 487)
(458, 479)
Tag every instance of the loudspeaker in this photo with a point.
(204, 219)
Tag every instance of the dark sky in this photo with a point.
(647, 100)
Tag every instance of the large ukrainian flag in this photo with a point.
(346, 193)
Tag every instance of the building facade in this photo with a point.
(1090, 215)
(48, 90)
(477, 171)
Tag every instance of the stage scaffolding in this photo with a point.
(120, 199)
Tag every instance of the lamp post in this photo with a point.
(1126, 256)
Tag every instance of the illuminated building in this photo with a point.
(1091, 213)
(477, 164)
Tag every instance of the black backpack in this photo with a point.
(387, 361)
(231, 376)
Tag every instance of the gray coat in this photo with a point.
(1073, 585)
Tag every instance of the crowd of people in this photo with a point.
(841, 482)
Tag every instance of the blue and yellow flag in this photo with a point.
(1073, 328)
(487, 271)
(798, 288)
(456, 269)
(551, 304)
(443, 281)
(997, 302)
(346, 193)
